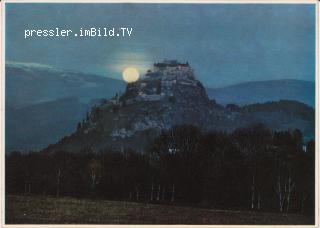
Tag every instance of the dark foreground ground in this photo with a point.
(49, 210)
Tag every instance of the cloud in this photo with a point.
(27, 65)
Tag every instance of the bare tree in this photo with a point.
(280, 192)
(137, 193)
(95, 172)
(253, 143)
(284, 189)
(252, 191)
(163, 193)
(151, 196)
(259, 201)
(58, 182)
(172, 194)
(158, 193)
(289, 188)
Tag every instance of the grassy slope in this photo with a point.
(49, 210)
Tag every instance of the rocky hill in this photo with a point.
(166, 96)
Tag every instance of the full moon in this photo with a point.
(130, 74)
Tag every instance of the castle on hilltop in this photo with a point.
(170, 68)
(166, 64)
(160, 82)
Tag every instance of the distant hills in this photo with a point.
(35, 126)
(44, 104)
(263, 91)
(28, 84)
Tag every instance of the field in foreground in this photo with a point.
(50, 210)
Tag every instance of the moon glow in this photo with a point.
(130, 74)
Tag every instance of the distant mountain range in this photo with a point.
(263, 91)
(28, 84)
(44, 104)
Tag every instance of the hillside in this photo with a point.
(44, 104)
(170, 96)
(28, 84)
(283, 114)
(264, 91)
(36, 126)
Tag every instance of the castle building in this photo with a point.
(159, 82)
(170, 67)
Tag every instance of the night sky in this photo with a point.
(224, 43)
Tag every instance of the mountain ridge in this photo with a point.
(29, 85)
(268, 90)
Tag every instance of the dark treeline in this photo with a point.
(252, 168)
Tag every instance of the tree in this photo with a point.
(253, 143)
(95, 172)
(176, 154)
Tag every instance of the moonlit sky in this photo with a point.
(224, 43)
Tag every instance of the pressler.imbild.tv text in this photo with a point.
(89, 32)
